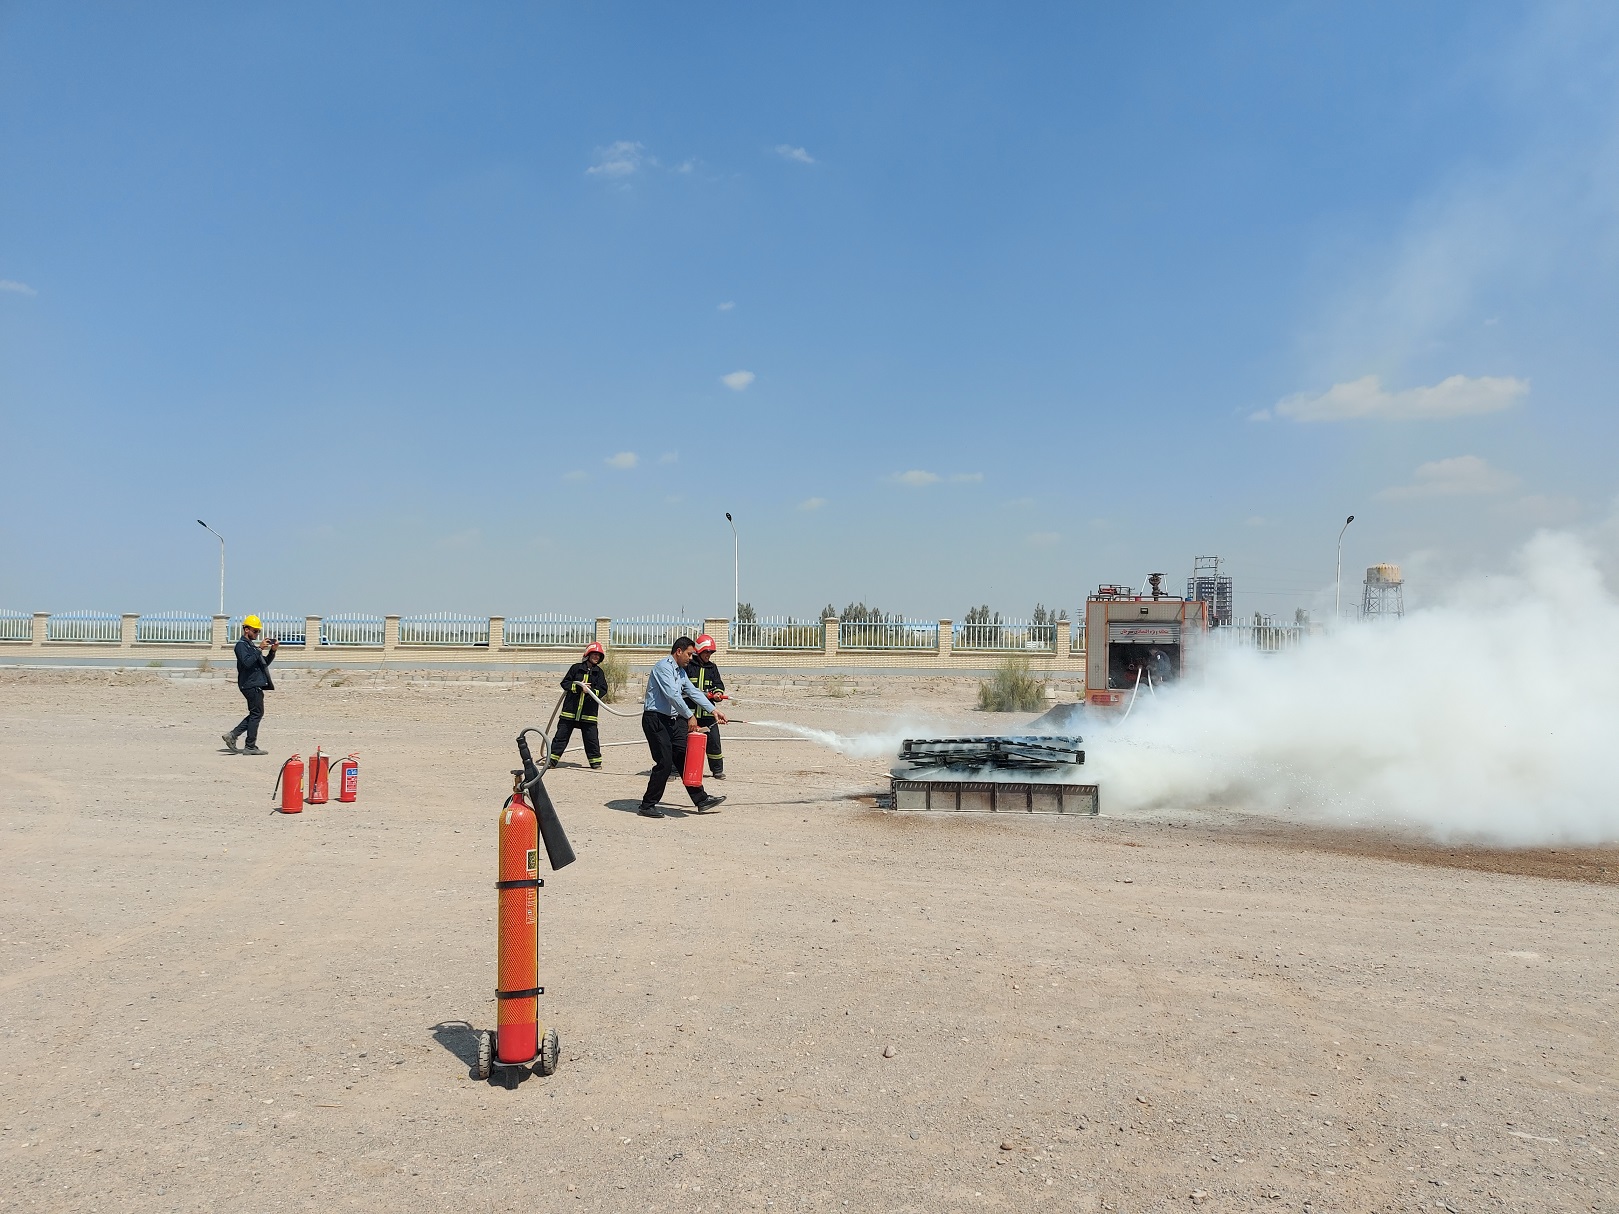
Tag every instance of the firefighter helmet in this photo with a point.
(595, 647)
(705, 644)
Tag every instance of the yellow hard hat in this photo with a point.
(253, 621)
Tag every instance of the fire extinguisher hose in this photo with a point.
(278, 776)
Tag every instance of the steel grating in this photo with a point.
(996, 796)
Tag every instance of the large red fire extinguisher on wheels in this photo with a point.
(526, 820)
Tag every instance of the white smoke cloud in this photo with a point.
(1489, 718)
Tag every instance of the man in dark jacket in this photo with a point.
(705, 676)
(253, 660)
(579, 710)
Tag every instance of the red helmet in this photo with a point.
(596, 648)
(705, 644)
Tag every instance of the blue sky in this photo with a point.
(500, 308)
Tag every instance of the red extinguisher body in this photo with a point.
(319, 767)
(291, 783)
(691, 775)
(517, 1032)
(348, 778)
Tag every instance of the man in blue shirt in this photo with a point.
(667, 720)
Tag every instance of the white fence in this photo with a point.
(351, 630)
(288, 629)
(1018, 636)
(102, 627)
(651, 634)
(174, 628)
(16, 626)
(443, 629)
(778, 632)
(561, 631)
(893, 634)
(1263, 638)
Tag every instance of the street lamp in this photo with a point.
(736, 574)
(1338, 574)
(221, 540)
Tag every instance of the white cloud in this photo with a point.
(1457, 396)
(578, 474)
(669, 457)
(1459, 476)
(726, 306)
(788, 152)
(621, 159)
(624, 459)
(16, 288)
(736, 381)
(916, 478)
(1043, 539)
(812, 503)
(967, 478)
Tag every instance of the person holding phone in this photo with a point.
(253, 658)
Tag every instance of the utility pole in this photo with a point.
(736, 568)
(221, 540)
(1338, 575)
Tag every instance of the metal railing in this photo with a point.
(174, 628)
(892, 634)
(1011, 635)
(16, 625)
(1263, 638)
(561, 631)
(100, 627)
(351, 630)
(443, 628)
(288, 629)
(778, 633)
(650, 633)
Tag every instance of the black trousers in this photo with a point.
(255, 713)
(716, 760)
(587, 731)
(666, 739)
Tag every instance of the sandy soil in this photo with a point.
(204, 1004)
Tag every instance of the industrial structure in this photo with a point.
(1209, 586)
(1135, 639)
(1383, 595)
(1024, 774)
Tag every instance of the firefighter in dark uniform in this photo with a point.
(579, 710)
(705, 676)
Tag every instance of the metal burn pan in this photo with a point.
(996, 796)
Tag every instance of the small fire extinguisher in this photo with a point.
(290, 781)
(348, 778)
(691, 774)
(319, 770)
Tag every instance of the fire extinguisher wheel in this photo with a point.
(549, 1048)
(486, 1055)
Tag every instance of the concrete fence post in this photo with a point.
(497, 632)
(830, 625)
(604, 630)
(390, 634)
(42, 627)
(221, 635)
(947, 641)
(720, 630)
(311, 633)
(1063, 646)
(126, 630)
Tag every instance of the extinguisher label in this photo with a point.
(533, 860)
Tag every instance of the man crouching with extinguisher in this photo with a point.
(668, 722)
(705, 676)
(253, 658)
(578, 709)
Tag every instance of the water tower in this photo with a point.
(1383, 597)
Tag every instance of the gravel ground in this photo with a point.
(798, 1002)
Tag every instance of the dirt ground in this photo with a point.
(800, 1002)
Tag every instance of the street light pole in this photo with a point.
(736, 568)
(1338, 574)
(221, 540)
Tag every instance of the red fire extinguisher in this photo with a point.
(691, 775)
(517, 1033)
(319, 768)
(290, 781)
(348, 778)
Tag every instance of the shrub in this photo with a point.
(617, 669)
(1013, 689)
